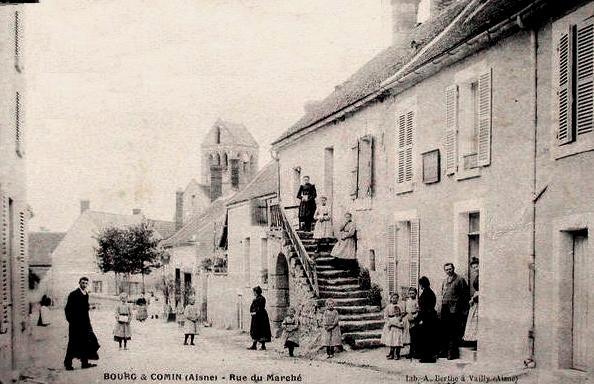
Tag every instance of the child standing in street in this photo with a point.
(192, 318)
(179, 314)
(393, 327)
(123, 315)
(332, 336)
(290, 328)
(411, 310)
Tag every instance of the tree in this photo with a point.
(128, 251)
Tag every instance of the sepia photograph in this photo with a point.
(296, 191)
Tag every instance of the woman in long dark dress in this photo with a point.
(427, 322)
(307, 207)
(260, 325)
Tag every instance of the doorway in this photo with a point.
(279, 291)
(580, 296)
(329, 174)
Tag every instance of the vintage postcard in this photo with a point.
(296, 191)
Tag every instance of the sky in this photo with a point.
(121, 93)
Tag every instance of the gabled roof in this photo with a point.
(238, 133)
(459, 22)
(264, 183)
(214, 213)
(104, 219)
(41, 245)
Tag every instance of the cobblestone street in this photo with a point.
(156, 350)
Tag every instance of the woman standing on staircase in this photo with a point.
(307, 207)
(323, 229)
(260, 325)
(346, 248)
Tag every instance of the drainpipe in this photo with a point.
(530, 362)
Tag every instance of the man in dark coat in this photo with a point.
(454, 306)
(260, 324)
(307, 208)
(425, 333)
(82, 342)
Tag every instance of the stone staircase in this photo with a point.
(360, 323)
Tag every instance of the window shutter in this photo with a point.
(366, 166)
(5, 262)
(18, 124)
(585, 78)
(451, 144)
(414, 252)
(355, 170)
(484, 119)
(404, 152)
(391, 257)
(566, 42)
(23, 269)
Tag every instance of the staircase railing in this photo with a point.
(307, 262)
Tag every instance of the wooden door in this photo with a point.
(581, 280)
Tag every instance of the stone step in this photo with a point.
(347, 302)
(367, 344)
(354, 309)
(337, 281)
(325, 267)
(360, 326)
(324, 258)
(331, 273)
(304, 234)
(339, 288)
(343, 294)
(363, 317)
(352, 336)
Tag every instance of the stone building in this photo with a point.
(41, 246)
(14, 212)
(468, 137)
(75, 254)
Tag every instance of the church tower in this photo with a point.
(229, 158)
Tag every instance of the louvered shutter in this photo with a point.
(585, 78)
(409, 144)
(401, 148)
(23, 270)
(4, 260)
(391, 263)
(414, 252)
(354, 187)
(405, 128)
(484, 119)
(451, 143)
(18, 124)
(565, 133)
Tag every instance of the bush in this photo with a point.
(374, 295)
(364, 278)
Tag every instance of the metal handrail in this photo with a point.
(309, 265)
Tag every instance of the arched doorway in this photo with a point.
(278, 282)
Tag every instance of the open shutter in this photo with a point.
(354, 188)
(22, 267)
(4, 263)
(484, 119)
(400, 148)
(414, 253)
(366, 166)
(18, 124)
(391, 263)
(451, 143)
(585, 78)
(410, 116)
(565, 133)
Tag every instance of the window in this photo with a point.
(576, 82)
(264, 261)
(405, 124)
(217, 135)
(362, 168)
(246, 261)
(98, 286)
(18, 36)
(259, 212)
(474, 236)
(468, 124)
(234, 173)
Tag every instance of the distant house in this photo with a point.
(41, 246)
(75, 255)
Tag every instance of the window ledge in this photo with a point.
(404, 188)
(582, 144)
(468, 174)
(363, 204)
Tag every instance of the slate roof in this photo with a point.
(264, 183)
(238, 131)
(104, 219)
(214, 213)
(459, 22)
(41, 246)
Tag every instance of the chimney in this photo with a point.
(179, 209)
(136, 211)
(404, 19)
(85, 205)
